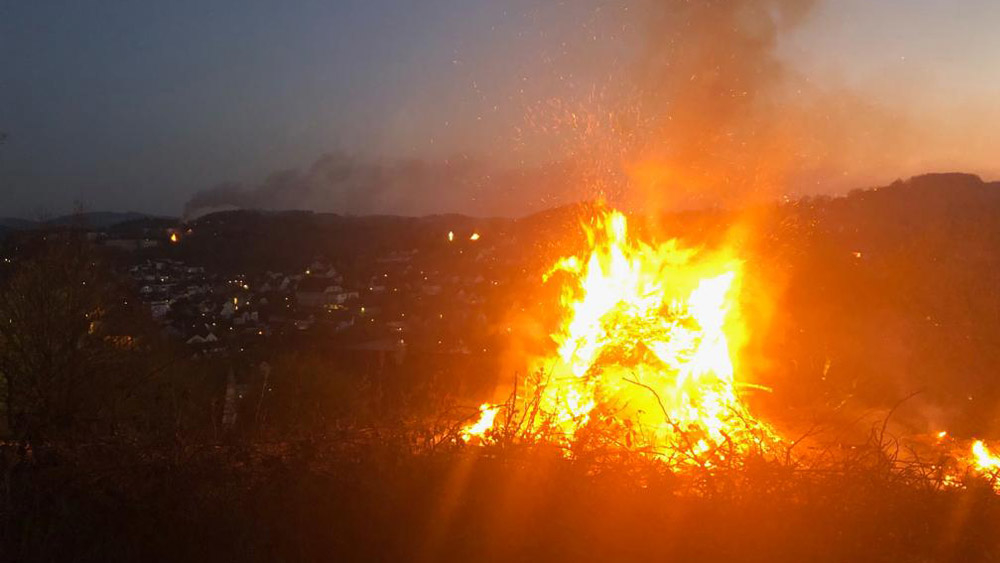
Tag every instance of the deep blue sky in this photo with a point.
(137, 105)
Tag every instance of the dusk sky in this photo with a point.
(130, 105)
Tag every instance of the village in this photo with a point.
(399, 300)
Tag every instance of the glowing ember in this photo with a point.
(474, 237)
(174, 238)
(643, 359)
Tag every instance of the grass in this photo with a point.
(379, 497)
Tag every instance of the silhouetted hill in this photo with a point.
(251, 241)
(13, 223)
(142, 227)
(886, 292)
(95, 220)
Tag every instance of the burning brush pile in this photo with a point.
(644, 356)
(645, 363)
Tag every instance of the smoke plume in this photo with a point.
(695, 108)
(702, 108)
(717, 96)
(350, 185)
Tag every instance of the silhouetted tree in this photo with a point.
(70, 352)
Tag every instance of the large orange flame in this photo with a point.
(644, 353)
(985, 463)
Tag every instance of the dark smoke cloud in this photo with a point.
(345, 184)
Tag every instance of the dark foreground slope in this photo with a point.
(323, 502)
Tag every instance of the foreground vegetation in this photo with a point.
(376, 498)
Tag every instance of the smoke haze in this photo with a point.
(690, 114)
(654, 104)
(346, 184)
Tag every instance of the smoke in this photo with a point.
(351, 185)
(717, 97)
(653, 104)
(702, 107)
(696, 109)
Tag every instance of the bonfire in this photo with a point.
(644, 356)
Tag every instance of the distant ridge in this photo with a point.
(14, 224)
(942, 184)
(92, 220)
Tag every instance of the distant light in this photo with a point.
(174, 238)
(474, 237)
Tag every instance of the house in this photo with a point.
(159, 309)
(431, 289)
(128, 245)
(322, 293)
(199, 339)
